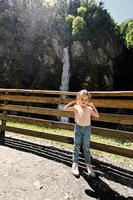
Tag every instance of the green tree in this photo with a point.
(81, 10)
(91, 18)
(78, 25)
(126, 31)
(70, 18)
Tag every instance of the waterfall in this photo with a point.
(65, 74)
(65, 78)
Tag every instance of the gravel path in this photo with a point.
(44, 173)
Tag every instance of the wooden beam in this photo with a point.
(104, 103)
(93, 93)
(111, 133)
(38, 91)
(39, 122)
(112, 149)
(113, 103)
(95, 145)
(36, 110)
(48, 136)
(115, 118)
(35, 99)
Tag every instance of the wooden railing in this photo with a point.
(37, 106)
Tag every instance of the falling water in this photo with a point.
(65, 78)
(65, 74)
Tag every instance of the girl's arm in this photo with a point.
(94, 112)
(70, 106)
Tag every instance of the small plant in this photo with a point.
(126, 31)
(81, 11)
(129, 35)
(70, 19)
(77, 25)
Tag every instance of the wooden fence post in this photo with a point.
(3, 123)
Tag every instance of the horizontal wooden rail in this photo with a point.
(113, 103)
(112, 149)
(34, 99)
(112, 94)
(49, 136)
(105, 103)
(115, 118)
(65, 139)
(111, 118)
(110, 133)
(104, 117)
(39, 122)
(36, 110)
(118, 134)
(51, 92)
(93, 93)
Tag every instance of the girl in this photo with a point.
(83, 110)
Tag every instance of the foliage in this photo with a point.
(70, 18)
(126, 31)
(81, 10)
(98, 19)
(91, 18)
(78, 25)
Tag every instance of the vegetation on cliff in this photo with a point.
(34, 33)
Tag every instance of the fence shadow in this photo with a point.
(101, 190)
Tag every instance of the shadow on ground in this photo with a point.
(101, 190)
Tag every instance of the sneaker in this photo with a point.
(90, 170)
(75, 169)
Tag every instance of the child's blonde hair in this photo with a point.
(83, 92)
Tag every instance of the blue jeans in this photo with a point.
(82, 136)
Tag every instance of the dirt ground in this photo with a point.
(30, 171)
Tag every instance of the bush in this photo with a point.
(126, 31)
(81, 11)
(70, 19)
(77, 25)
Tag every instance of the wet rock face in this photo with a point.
(48, 75)
(92, 63)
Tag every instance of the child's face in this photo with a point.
(83, 100)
